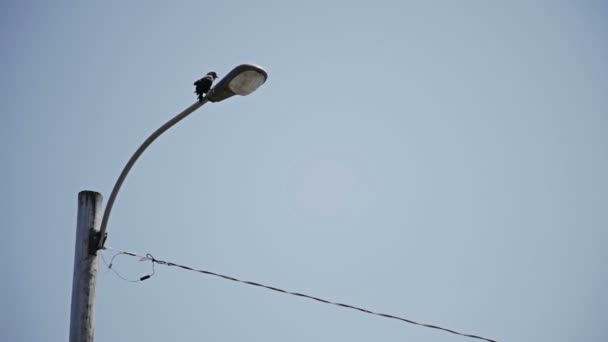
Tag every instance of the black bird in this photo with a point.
(204, 84)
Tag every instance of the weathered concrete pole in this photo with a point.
(86, 265)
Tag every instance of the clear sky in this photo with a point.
(444, 161)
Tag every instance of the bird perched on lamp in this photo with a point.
(204, 85)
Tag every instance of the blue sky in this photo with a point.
(437, 160)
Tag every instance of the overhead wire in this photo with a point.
(149, 257)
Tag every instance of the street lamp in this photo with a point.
(91, 236)
(242, 80)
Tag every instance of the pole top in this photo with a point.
(89, 193)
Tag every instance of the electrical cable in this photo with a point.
(149, 257)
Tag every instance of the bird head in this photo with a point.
(212, 74)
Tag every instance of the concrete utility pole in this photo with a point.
(86, 265)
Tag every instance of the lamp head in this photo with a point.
(242, 80)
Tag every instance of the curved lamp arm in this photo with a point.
(131, 162)
(242, 80)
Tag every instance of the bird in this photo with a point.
(204, 85)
